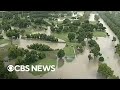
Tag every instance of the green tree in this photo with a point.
(41, 55)
(81, 37)
(22, 31)
(71, 36)
(96, 17)
(114, 38)
(90, 57)
(89, 35)
(117, 49)
(31, 57)
(66, 21)
(61, 53)
(95, 52)
(113, 77)
(83, 43)
(105, 70)
(6, 27)
(92, 43)
(101, 59)
(19, 61)
(80, 48)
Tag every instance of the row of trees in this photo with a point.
(40, 47)
(106, 71)
(95, 49)
(113, 21)
(42, 37)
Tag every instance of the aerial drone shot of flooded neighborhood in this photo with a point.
(59, 45)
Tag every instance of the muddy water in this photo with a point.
(107, 48)
(81, 67)
(24, 42)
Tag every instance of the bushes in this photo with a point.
(42, 37)
(11, 33)
(40, 47)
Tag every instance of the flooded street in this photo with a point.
(107, 48)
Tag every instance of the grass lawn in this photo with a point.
(93, 22)
(2, 41)
(73, 44)
(99, 34)
(63, 36)
(49, 60)
(69, 51)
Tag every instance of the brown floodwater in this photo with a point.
(81, 67)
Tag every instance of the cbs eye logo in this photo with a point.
(10, 68)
